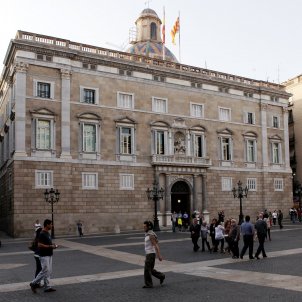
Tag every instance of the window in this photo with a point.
(226, 183)
(43, 134)
(125, 140)
(89, 95)
(159, 142)
(126, 181)
(275, 121)
(250, 118)
(125, 100)
(226, 148)
(276, 152)
(90, 181)
(159, 105)
(278, 184)
(43, 89)
(89, 137)
(248, 94)
(196, 110)
(274, 99)
(153, 31)
(43, 179)
(250, 150)
(224, 114)
(251, 184)
(198, 145)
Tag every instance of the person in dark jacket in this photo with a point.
(280, 218)
(234, 237)
(261, 228)
(195, 233)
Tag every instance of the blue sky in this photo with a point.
(259, 39)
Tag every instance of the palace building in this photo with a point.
(101, 126)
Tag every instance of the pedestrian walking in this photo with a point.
(280, 218)
(151, 250)
(195, 233)
(204, 231)
(46, 247)
(275, 215)
(261, 228)
(36, 252)
(247, 231)
(80, 228)
(174, 220)
(234, 237)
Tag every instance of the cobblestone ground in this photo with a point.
(110, 268)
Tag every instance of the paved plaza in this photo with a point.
(109, 267)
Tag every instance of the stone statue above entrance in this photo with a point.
(179, 143)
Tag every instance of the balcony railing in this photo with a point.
(183, 160)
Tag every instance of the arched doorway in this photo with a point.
(180, 197)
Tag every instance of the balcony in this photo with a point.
(180, 160)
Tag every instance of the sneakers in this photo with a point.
(33, 287)
(162, 280)
(49, 290)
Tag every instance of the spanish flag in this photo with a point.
(164, 28)
(175, 30)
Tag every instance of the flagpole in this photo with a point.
(164, 35)
(179, 37)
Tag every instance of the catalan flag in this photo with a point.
(175, 30)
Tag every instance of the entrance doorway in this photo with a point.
(180, 198)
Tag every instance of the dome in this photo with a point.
(152, 49)
(148, 11)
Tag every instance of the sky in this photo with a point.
(258, 39)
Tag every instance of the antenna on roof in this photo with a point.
(147, 3)
(121, 47)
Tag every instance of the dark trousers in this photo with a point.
(205, 241)
(248, 241)
(234, 248)
(149, 270)
(261, 239)
(195, 245)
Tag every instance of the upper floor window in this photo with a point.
(43, 134)
(198, 145)
(159, 105)
(196, 110)
(276, 152)
(89, 181)
(278, 184)
(89, 135)
(224, 114)
(226, 183)
(160, 142)
(249, 118)
(43, 89)
(43, 179)
(251, 150)
(275, 122)
(126, 181)
(251, 184)
(89, 95)
(125, 100)
(226, 148)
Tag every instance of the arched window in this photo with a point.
(153, 31)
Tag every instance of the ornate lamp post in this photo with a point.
(52, 197)
(240, 193)
(155, 194)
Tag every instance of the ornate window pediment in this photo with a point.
(89, 116)
(225, 131)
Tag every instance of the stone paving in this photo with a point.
(110, 268)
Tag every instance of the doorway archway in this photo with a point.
(180, 197)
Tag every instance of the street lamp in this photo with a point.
(155, 194)
(240, 193)
(52, 197)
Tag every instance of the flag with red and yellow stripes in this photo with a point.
(175, 30)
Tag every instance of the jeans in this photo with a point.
(46, 263)
(149, 270)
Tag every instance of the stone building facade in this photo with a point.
(101, 126)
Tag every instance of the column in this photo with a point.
(264, 135)
(286, 138)
(205, 211)
(20, 108)
(65, 114)
(194, 205)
